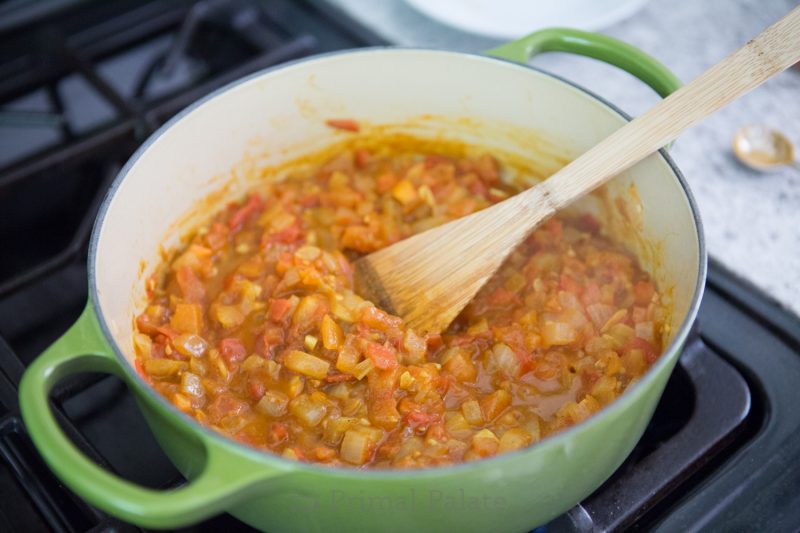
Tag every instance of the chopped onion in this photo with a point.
(331, 333)
(229, 316)
(190, 344)
(494, 404)
(307, 364)
(406, 380)
(568, 300)
(348, 358)
(485, 443)
(143, 345)
(357, 447)
(514, 439)
(503, 358)
(599, 313)
(457, 361)
(310, 342)
(645, 330)
(457, 426)
(363, 368)
(335, 428)
(304, 316)
(558, 333)
(621, 335)
(191, 385)
(253, 362)
(163, 368)
(615, 319)
(307, 253)
(415, 348)
(308, 411)
(472, 412)
(273, 403)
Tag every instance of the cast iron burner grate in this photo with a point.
(82, 84)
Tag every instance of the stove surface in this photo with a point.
(82, 84)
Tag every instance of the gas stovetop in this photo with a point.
(82, 84)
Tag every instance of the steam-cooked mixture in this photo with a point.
(254, 329)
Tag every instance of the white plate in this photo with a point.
(510, 19)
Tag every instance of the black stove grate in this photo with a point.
(82, 84)
(125, 75)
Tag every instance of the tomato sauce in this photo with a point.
(254, 329)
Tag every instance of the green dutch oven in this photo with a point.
(278, 114)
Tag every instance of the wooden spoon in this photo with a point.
(428, 278)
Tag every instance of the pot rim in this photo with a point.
(554, 441)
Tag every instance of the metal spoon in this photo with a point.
(763, 148)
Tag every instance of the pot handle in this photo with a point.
(83, 348)
(594, 45)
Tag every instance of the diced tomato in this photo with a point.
(344, 265)
(591, 294)
(191, 287)
(337, 378)
(232, 350)
(360, 238)
(503, 296)
(274, 335)
(140, 370)
(461, 340)
(420, 420)
(385, 181)
(378, 319)
(526, 361)
(167, 332)
(225, 405)
(648, 348)
(511, 335)
(436, 431)
(431, 160)
(589, 223)
(157, 351)
(487, 168)
(278, 308)
(277, 433)
(568, 284)
(643, 292)
(554, 226)
(362, 157)
(286, 236)
(346, 124)
(269, 341)
(256, 389)
(217, 236)
(309, 200)
(382, 356)
(252, 206)
(479, 188)
(639, 315)
(147, 323)
(434, 341)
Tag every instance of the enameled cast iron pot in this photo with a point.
(279, 113)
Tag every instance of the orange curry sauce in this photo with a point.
(254, 330)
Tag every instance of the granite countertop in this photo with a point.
(752, 220)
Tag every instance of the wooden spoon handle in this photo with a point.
(774, 50)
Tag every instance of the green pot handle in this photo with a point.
(83, 348)
(612, 51)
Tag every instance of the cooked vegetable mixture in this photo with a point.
(254, 328)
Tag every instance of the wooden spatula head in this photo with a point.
(427, 279)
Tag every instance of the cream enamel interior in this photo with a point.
(279, 115)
